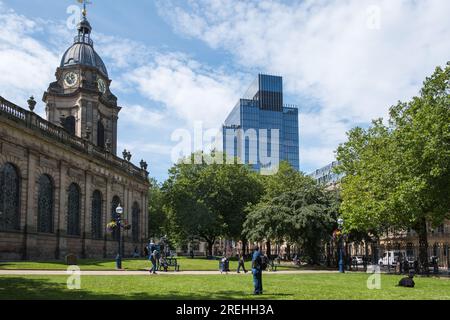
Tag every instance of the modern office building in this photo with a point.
(261, 130)
(326, 176)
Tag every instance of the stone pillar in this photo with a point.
(30, 227)
(107, 215)
(61, 211)
(86, 213)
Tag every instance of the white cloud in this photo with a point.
(141, 116)
(188, 89)
(327, 50)
(26, 65)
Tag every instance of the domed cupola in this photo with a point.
(80, 100)
(82, 51)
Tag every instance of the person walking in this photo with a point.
(154, 261)
(257, 271)
(241, 263)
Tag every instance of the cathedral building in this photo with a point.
(60, 178)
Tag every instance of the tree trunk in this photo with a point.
(210, 247)
(268, 248)
(244, 247)
(423, 245)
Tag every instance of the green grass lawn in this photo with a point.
(186, 264)
(239, 287)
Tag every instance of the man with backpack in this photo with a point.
(257, 268)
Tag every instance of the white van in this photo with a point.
(390, 258)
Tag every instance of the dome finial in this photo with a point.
(84, 11)
(84, 27)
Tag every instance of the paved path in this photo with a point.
(143, 273)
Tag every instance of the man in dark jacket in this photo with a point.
(257, 271)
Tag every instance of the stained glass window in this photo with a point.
(45, 204)
(9, 197)
(135, 223)
(97, 215)
(73, 210)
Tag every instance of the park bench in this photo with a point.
(272, 266)
(171, 262)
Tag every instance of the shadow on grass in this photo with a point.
(16, 288)
(85, 264)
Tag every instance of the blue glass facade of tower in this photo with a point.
(262, 108)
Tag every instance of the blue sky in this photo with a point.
(174, 63)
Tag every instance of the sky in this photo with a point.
(175, 64)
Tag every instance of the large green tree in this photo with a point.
(208, 200)
(398, 175)
(157, 222)
(294, 209)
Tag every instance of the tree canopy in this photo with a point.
(208, 201)
(398, 174)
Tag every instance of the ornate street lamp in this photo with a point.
(119, 212)
(119, 226)
(341, 246)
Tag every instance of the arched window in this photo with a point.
(69, 125)
(9, 198)
(73, 210)
(135, 223)
(115, 203)
(96, 215)
(100, 134)
(45, 204)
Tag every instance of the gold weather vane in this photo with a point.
(84, 2)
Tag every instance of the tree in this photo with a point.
(157, 222)
(208, 201)
(398, 175)
(286, 178)
(300, 212)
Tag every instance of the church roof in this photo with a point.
(82, 51)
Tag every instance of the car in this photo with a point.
(358, 260)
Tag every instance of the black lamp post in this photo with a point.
(119, 212)
(341, 246)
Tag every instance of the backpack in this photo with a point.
(258, 263)
(264, 263)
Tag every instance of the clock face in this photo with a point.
(101, 85)
(71, 79)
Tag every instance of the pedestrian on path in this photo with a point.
(154, 261)
(241, 263)
(257, 271)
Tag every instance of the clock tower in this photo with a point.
(80, 99)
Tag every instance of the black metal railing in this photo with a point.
(395, 257)
(84, 39)
(52, 131)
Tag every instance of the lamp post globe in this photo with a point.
(119, 212)
(341, 246)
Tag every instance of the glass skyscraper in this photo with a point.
(260, 126)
